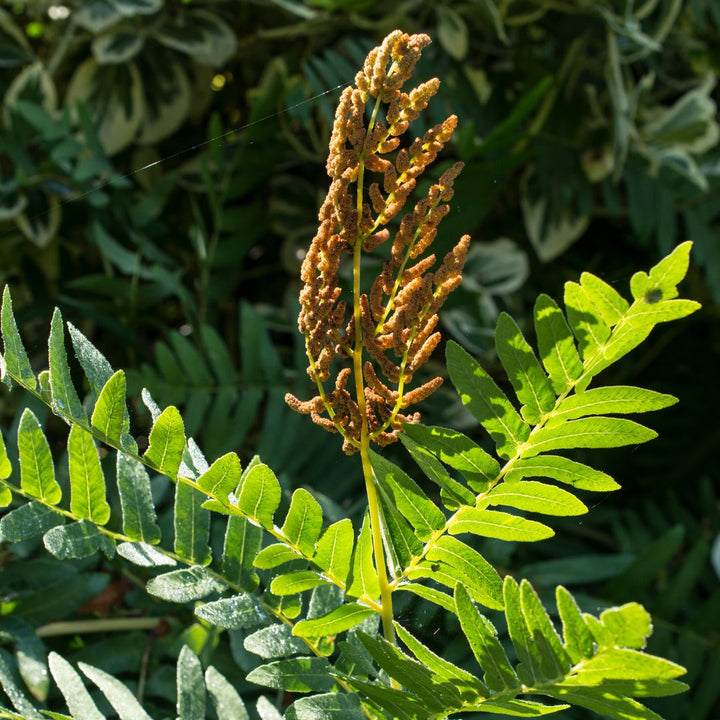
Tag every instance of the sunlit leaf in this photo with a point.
(486, 401)
(109, 414)
(303, 522)
(37, 470)
(87, 482)
(167, 442)
(556, 344)
(500, 525)
(64, 396)
(15, 356)
(536, 497)
(260, 495)
(336, 621)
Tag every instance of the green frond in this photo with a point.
(260, 495)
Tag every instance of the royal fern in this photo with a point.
(308, 595)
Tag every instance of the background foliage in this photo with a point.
(590, 136)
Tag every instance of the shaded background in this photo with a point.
(161, 166)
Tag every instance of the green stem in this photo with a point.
(386, 609)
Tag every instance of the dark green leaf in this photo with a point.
(241, 546)
(191, 696)
(184, 585)
(463, 680)
(307, 674)
(144, 555)
(78, 699)
(555, 661)
(97, 369)
(192, 525)
(363, 579)
(138, 510)
(412, 675)
(455, 492)
(119, 696)
(228, 704)
(330, 705)
(276, 641)
(13, 691)
(234, 613)
(27, 521)
(77, 540)
(528, 653)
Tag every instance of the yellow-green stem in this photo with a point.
(386, 611)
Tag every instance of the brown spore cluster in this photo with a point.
(390, 332)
